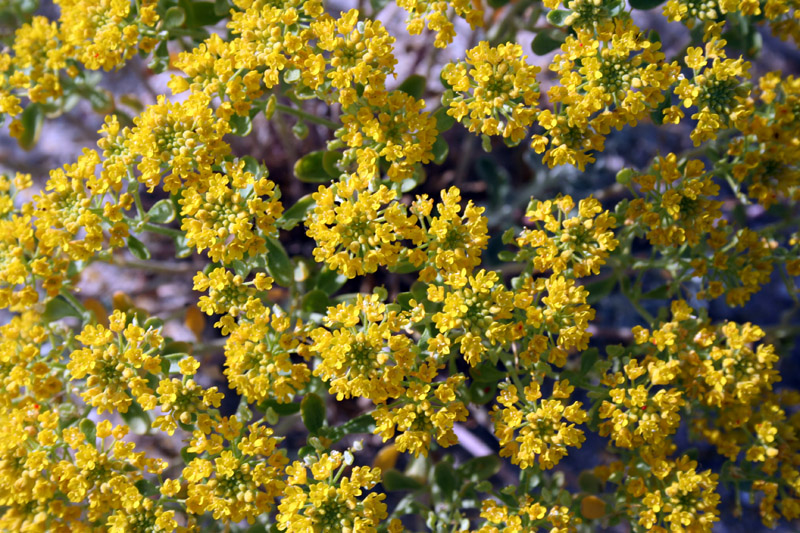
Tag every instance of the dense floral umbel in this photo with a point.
(109, 424)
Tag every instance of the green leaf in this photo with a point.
(241, 126)
(558, 17)
(58, 308)
(297, 213)
(646, 4)
(162, 212)
(278, 262)
(240, 268)
(329, 160)
(101, 101)
(600, 289)
(548, 40)
(615, 350)
(283, 409)
(315, 301)
(509, 235)
(137, 419)
(187, 456)
(440, 150)
(146, 488)
(89, 429)
(420, 290)
(292, 75)
(446, 478)
(394, 480)
(310, 168)
(482, 393)
(32, 120)
(174, 17)
(222, 8)
(486, 373)
(160, 59)
(497, 4)
(378, 5)
(255, 168)
(480, 468)
(486, 143)
(404, 266)
(203, 14)
(138, 249)
(590, 483)
(312, 409)
(588, 359)
(414, 86)
(507, 256)
(443, 121)
(360, 424)
(305, 450)
(330, 281)
(659, 293)
(176, 347)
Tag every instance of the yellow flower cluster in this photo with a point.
(234, 484)
(434, 15)
(116, 362)
(229, 215)
(357, 229)
(673, 496)
(392, 127)
(476, 308)
(765, 158)
(47, 55)
(326, 501)
(535, 430)
(578, 245)
(609, 79)
(716, 90)
(496, 91)
(258, 359)
(678, 204)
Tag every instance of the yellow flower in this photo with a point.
(434, 14)
(716, 91)
(327, 504)
(356, 228)
(185, 139)
(358, 53)
(578, 245)
(475, 308)
(237, 485)
(424, 413)
(367, 357)
(532, 430)
(392, 126)
(228, 294)
(231, 214)
(496, 91)
(258, 359)
(454, 240)
(116, 363)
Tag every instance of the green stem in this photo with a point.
(74, 302)
(169, 232)
(307, 116)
